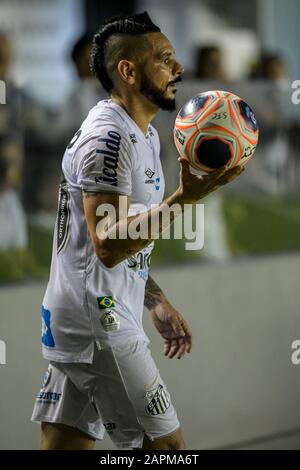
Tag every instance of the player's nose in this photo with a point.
(179, 69)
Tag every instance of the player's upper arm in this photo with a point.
(104, 164)
(108, 208)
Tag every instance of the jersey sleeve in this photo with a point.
(106, 161)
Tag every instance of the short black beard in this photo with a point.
(156, 95)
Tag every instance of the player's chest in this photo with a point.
(147, 179)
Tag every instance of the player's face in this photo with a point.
(161, 73)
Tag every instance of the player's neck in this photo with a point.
(141, 111)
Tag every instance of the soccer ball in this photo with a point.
(216, 129)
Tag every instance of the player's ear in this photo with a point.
(126, 70)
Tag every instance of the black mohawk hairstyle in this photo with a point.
(135, 24)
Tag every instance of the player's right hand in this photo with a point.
(194, 187)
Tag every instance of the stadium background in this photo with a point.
(239, 388)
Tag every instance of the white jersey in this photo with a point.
(85, 302)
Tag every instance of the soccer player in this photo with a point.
(101, 374)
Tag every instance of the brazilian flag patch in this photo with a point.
(105, 302)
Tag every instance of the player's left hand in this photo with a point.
(173, 328)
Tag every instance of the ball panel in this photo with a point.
(183, 125)
(253, 140)
(228, 139)
(221, 119)
(247, 115)
(248, 149)
(191, 144)
(181, 138)
(195, 104)
(213, 152)
(234, 118)
(207, 112)
(219, 130)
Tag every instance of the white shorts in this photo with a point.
(120, 392)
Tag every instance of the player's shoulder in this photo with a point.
(104, 116)
(102, 139)
(102, 126)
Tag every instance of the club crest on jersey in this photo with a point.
(105, 302)
(158, 400)
(111, 152)
(110, 321)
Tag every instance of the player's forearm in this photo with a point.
(118, 243)
(153, 294)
